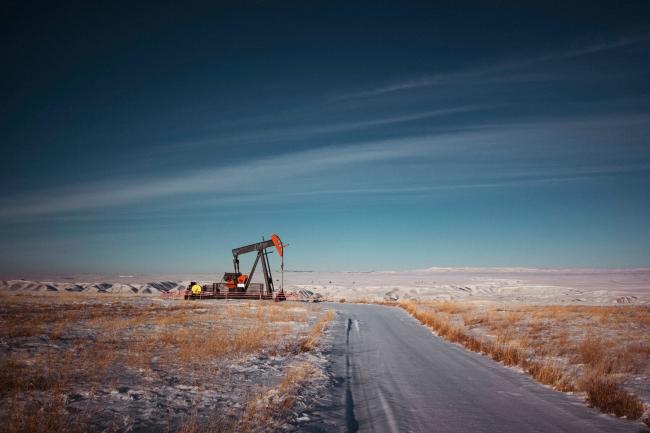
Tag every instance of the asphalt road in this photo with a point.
(391, 374)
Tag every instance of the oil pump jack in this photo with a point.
(242, 281)
(236, 285)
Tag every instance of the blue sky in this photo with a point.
(156, 139)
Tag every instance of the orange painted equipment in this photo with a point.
(278, 244)
(240, 280)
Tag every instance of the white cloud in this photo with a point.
(493, 157)
(496, 70)
(280, 134)
(248, 176)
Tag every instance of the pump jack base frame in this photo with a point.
(236, 295)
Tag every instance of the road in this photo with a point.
(391, 374)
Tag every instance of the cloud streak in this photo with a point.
(302, 173)
(474, 74)
(293, 133)
(248, 176)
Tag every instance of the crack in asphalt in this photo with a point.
(350, 420)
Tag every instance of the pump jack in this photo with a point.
(236, 285)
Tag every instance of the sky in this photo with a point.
(370, 136)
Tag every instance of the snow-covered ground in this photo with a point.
(146, 364)
(536, 285)
(594, 286)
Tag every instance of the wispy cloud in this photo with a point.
(496, 70)
(595, 48)
(310, 131)
(350, 126)
(501, 155)
(491, 180)
(247, 176)
(229, 205)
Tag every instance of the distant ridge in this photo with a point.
(113, 288)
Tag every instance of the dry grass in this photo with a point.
(265, 410)
(605, 393)
(199, 346)
(311, 340)
(46, 416)
(584, 348)
(550, 373)
(61, 344)
(270, 406)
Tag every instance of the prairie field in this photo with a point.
(600, 351)
(78, 362)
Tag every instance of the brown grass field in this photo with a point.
(601, 351)
(65, 356)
